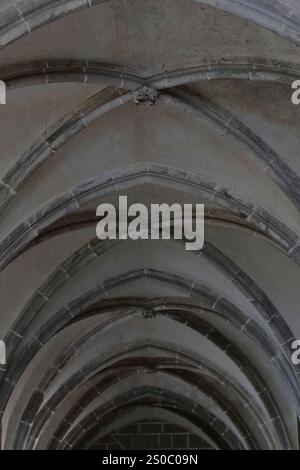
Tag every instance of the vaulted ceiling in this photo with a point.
(164, 101)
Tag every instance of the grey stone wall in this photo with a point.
(150, 435)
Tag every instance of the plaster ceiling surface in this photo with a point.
(100, 334)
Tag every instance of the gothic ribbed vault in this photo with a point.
(164, 101)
